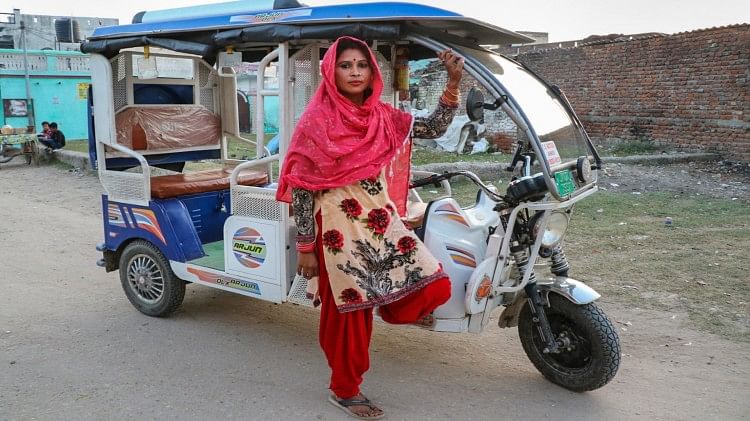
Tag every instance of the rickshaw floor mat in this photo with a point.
(167, 186)
(214, 257)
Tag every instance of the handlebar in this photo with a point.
(437, 178)
(433, 179)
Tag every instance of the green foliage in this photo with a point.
(639, 147)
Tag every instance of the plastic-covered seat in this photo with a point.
(166, 186)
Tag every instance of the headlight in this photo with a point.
(553, 234)
(583, 170)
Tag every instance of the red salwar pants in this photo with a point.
(345, 337)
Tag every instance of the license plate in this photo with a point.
(564, 182)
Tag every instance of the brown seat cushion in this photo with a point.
(166, 186)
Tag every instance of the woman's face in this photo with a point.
(353, 75)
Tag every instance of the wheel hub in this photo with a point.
(564, 341)
(573, 350)
(145, 278)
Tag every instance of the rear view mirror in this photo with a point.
(475, 105)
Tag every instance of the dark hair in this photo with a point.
(53, 125)
(45, 122)
(349, 44)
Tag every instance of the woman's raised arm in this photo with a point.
(437, 123)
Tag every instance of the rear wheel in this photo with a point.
(148, 281)
(589, 346)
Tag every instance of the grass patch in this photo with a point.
(77, 146)
(639, 147)
(628, 253)
(422, 156)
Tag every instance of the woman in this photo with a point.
(346, 175)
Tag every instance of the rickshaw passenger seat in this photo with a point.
(174, 185)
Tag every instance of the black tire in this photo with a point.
(148, 280)
(594, 354)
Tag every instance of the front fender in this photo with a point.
(575, 291)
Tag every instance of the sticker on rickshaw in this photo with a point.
(550, 152)
(564, 181)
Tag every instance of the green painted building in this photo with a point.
(59, 87)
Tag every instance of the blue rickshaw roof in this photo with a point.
(430, 17)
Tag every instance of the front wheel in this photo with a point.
(148, 281)
(589, 346)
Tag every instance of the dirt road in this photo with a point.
(72, 347)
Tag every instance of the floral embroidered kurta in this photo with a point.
(370, 256)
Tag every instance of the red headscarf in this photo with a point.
(337, 142)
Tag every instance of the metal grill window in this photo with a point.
(123, 186)
(119, 83)
(255, 202)
(303, 88)
(387, 74)
(303, 78)
(298, 294)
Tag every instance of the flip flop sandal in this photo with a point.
(426, 322)
(344, 405)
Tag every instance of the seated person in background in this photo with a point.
(56, 139)
(45, 133)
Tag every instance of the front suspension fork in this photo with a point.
(539, 317)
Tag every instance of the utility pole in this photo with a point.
(29, 104)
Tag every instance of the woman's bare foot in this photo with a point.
(358, 406)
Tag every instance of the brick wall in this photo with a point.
(688, 91)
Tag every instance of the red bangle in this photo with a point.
(306, 247)
(448, 102)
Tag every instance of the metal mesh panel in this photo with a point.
(206, 76)
(255, 202)
(298, 294)
(303, 78)
(119, 82)
(207, 99)
(387, 72)
(124, 186)
(207, 82)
